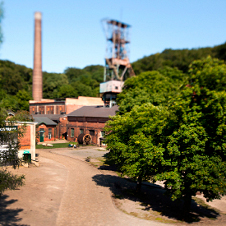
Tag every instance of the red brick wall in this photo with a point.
(42, 109)
(49, 109)
(25, 141)
(61, 128)
(32, 109)
(97, 125)
(46, 129)
(60, 109)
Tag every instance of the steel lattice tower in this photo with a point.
(117, 65)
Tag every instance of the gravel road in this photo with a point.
(62, 191)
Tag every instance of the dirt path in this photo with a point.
(62, 191)
(38, 201)
(86, 203)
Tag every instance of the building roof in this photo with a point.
(53, 117)
(45, 120)
(94, 111)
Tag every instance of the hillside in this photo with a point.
(177, 58)
(16, 84)
(16, 80)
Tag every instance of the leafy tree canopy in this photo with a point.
(177, 58)
(8, 155)
(183, 142)
(155, 87)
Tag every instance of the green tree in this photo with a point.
(156, 87)
(132, 144)
(9, 102)
(8, 152)
(52, 83)
(180, 58)
(73, 74)
(82, 89)
(85, 81)
(182, 143)
(67, 91)
(23, 99)
(96, 71)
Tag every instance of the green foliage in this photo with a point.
(10, 181)
(156, 87)
(9, 154)
(85, 81)
(23, 98)
(96, 71)
(16, 84)
(131, 142)
(208, 73)
(73, 74)
(21, 116)
(14, 77)
(9, 102)
(177, 58)
(8, 139)
(180, 140)
(52, 83)
(67, 91)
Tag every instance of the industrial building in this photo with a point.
(89, 120)
(72, 118)
(26, 142)
(56, 111)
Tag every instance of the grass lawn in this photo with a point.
(58, 145)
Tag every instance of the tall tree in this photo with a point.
(182, 143)
(9, 147)
(155, 87)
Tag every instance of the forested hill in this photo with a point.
(16, 80)
(177, 58)
(16, 84)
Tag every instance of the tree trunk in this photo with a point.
(139, 183)
(187, 205)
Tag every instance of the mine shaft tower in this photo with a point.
(117, 65)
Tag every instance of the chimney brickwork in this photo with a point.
(37, 67)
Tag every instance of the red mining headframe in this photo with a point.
(117, 65)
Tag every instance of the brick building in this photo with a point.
(56, 111)
(27, 142)
(59, 107)
(89, 120)
(46, 129)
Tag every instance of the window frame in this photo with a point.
(72, 132)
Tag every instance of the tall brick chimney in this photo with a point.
(37, 68)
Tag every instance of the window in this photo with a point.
(81, 131)
(92, 132)
(50, 134)
(41, 110)
(72, 132)
(102, 133)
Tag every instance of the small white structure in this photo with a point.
(27, 141)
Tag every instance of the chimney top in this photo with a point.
(38, 15)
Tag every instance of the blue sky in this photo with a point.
(73, 37)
